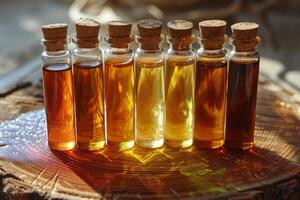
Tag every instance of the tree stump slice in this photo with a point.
(30, 170)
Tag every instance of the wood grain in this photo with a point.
(29, 170)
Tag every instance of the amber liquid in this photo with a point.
(57, 80)
(210, 103)
(119, 91)
(241, 103)
(180, 82)
(89, 115)
(150, 104)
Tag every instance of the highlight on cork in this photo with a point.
(87, 28)
(55, 36)
(244, 30)
(245, 26)
(55, 31)
(119, 28)
(211, 29)
(212, 33)
(149, 27)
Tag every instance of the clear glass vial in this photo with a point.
(88, 86)
(58, 92)
(179, 85)
(211, 85)
(119, 86)
(149, 85)
(242, 86)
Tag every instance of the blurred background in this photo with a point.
(20, 32)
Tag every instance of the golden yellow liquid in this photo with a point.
(180, 84)
(150, 104)
(119, 91)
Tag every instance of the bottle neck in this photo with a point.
(149, 43)
(244, 56)
(181, 43)
(180, 48)
(238, 52)
(149, 47)
(182, 52)
(53, 46)
(118, 50)
(54, 57)
(80, 54)
(90, 50)
(212, 53)
(86, 43)
(140, 49)
(249, 45)
(56, 53)
(118, 43)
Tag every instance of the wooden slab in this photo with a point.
(28, 169)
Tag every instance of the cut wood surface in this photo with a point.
(29, 170)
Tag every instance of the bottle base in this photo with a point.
(179, 143)
(91, 146)
(209, 144)
(62, 146)
(238, 145)
(150, 144)
(122, 145)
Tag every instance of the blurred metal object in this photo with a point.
(28, 73)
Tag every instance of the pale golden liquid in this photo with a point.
(180, 84)
(150, 102)
(119, 90)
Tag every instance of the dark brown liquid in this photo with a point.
(57, 79)
(88, 87)
(241, 103)
(210, 103)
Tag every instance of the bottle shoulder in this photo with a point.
(118, 55)
(188, 52)
(218, 56)
(86, 55)
(247, 57)
(180, 56)
(118, 51)
(58, 54)
(49, 58)
(156, 56)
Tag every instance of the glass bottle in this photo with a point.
(179, 85)
(211, 82)
(88, 86)
(149, 85)
(119, 86)
(58, 93)
(242, 86)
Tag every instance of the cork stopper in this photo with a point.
(119, 33)
(244, 36)
(87, 31)
(212, 34)
(150, 31)
(180, 34)
(55, 36)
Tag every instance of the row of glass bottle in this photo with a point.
(149, 97)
